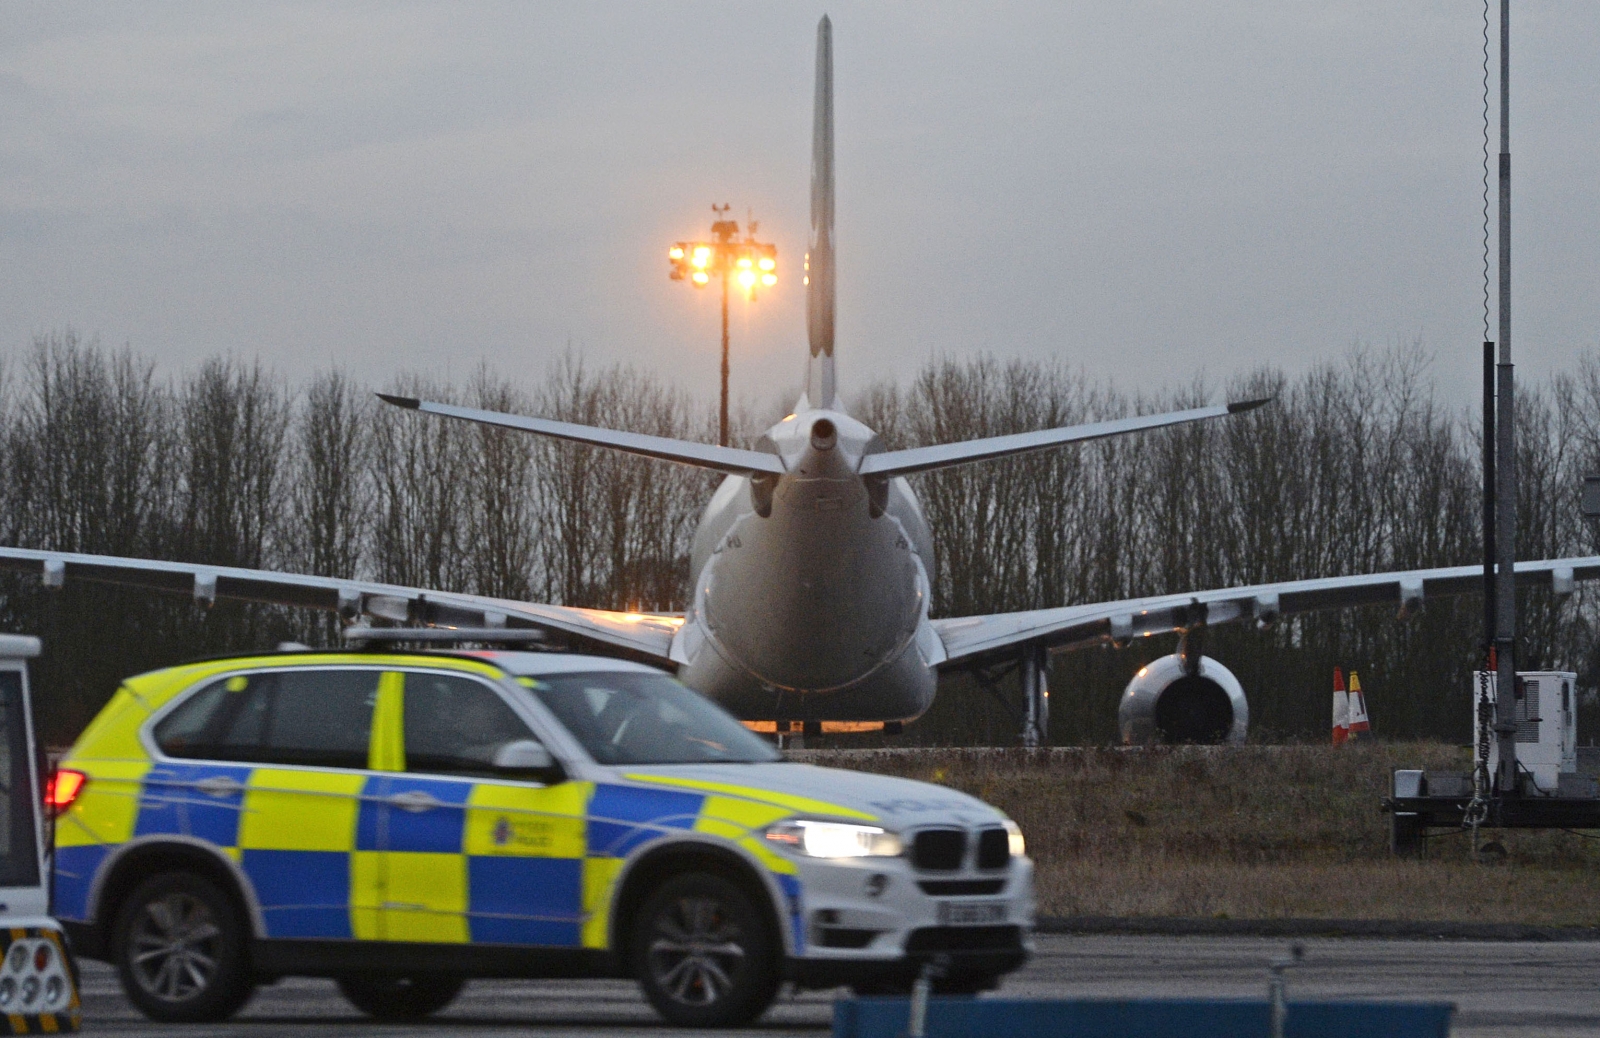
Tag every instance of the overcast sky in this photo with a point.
(1144, 190)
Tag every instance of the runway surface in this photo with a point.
(1506, 990)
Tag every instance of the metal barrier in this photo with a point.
(1147, 1018)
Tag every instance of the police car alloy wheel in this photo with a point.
(400, 998)
(180, 950)
(705, 954)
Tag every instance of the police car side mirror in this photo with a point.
(525, 757)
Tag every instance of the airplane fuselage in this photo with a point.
(810, 597)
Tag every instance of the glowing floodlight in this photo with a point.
(745, 262)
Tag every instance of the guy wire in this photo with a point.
(1486, 170)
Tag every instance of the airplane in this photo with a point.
(810, 593)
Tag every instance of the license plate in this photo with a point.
(971, 913)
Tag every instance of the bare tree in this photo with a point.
(501, 537)
(234, 422)
(332, 497)
(423, 504)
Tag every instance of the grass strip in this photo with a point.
(1249, 833)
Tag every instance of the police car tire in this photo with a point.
(741, 922)
(400, 998)
(229, 985)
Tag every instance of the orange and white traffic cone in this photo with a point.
(1341, 709)
(1359, 725)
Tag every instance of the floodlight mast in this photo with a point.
(730, 258)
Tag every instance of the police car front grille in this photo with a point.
(994, 849)
(939, 850)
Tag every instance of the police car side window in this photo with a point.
(308, 717)
(455, 725)
(184, 732)
(322, 717)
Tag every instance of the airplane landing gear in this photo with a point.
(1034, 670)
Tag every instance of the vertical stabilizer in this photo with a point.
(820, 387)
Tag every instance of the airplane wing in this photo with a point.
(733, 460)
(1072, 627)
(944, 455)
(646, 634)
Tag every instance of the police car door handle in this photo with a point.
(219, 786)
(415, 801)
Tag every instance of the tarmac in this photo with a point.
(1503, 989)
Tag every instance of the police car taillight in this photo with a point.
(63, 788)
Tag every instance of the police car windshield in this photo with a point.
(641, 718)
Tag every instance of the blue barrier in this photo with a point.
(1138, 1018)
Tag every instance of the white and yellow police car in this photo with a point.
(405, 821)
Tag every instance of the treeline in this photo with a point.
(230, 465)
(1355, 468)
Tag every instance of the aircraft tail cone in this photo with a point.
(1341, 709)
(1359, 725)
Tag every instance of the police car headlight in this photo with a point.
(834, 839)
(1019, 846)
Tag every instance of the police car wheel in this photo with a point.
(400, 998)
(179, 945)
(704, 953)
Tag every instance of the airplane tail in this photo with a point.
(821, 389)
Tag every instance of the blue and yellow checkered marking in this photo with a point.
(294, 844)
(623, 817)
(526, 900)
(329, 858)
(75, 869)
(437, 830)
(172, 801)
(302, 893)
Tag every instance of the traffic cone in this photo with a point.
(1341, 709)
(1358, 708)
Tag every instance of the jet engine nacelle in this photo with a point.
(1164, 705)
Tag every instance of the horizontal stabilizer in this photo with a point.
(732, 460)
(944, 455)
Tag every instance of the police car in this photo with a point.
(405, 821)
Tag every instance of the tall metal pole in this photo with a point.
(1505, 467)
(722, 425)
(1490, 517)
